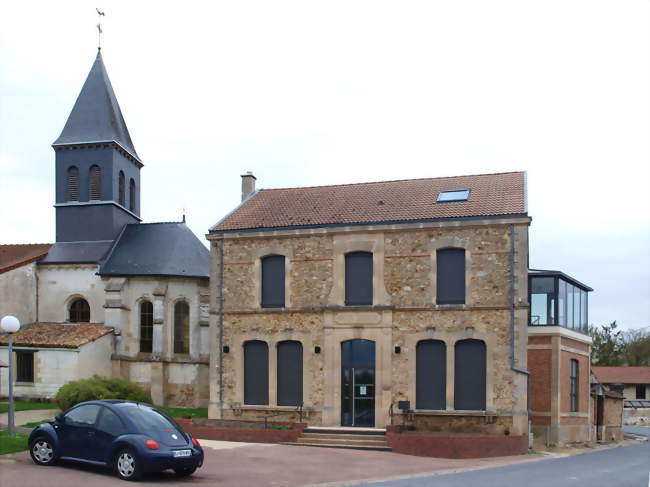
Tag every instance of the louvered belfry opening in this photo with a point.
(73, 184)
(132, 195)
(95, 185)
(121, 189)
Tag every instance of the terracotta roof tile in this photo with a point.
(622, 375)
(16, 255)
(58, 335)
(380, 202)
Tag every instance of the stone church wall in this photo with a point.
(18, 293)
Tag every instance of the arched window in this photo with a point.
(146, 326)
(358, 278)
(256, 373)
(95, 183)
(121, 189)
(289, 373)
(79, 311)
(431, 375)
(73, 184)
(273, 281)
(469, 375)
(450, 276)
(181, 327)
(132, 195)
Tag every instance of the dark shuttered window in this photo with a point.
(95, 183)
(181, 327)
(289, 373)
(79, 311)
(24, 366)
(256, 373)
(132, 195)
(273, 281)
(431, 375)
(573, 386)
(73, 184)
(358, 278)
(469, 375)
(146, 326)
(121, 189)
(450, 276)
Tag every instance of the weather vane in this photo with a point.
(99, 28)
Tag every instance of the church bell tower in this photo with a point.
(97, 167)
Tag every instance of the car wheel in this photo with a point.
(42, 451)
(184, 472)
(127, 465)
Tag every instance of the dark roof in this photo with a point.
(622, 375)
(549, 273)
(58, 335)
(380, 202)
(16, 255)
(77, 252)
(157, 249)
(96, 115)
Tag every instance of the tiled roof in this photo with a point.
(380, 202)
(58, 335)
(622, 375)
(12, 256)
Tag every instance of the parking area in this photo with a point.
(246, 464)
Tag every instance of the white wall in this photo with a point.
(18, 293)
(55, 367)
(58, 284)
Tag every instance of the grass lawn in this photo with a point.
(27, 406)
(35, 423)
(180, 412)
(12, 444)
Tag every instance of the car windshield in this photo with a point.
(146, 418)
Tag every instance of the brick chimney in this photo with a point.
(247, 185)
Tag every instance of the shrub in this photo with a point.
(96, 388)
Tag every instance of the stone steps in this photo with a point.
(349, 438)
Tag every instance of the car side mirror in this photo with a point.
(59, 418)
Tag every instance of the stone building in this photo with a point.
(351, 299)
(134, 293)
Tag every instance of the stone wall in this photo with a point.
(404, 311)
(18, 293)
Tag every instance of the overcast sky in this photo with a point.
(308, 93)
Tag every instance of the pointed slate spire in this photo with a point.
(96, 115)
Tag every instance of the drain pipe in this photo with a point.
(512, 304)
(221, 301)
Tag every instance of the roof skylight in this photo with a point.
(456, 195)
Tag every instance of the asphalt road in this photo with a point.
(621, 467)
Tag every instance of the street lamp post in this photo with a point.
(11, 325)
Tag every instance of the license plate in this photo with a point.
(182, 453)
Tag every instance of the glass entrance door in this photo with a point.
(358, 383)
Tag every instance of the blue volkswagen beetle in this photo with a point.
(133, 438)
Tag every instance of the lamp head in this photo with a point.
(10, 324)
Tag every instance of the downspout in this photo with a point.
(512, 304)
(221, 301)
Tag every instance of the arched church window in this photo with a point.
(121, 189)
(181, 327)
(79, 311)
(146, 326)
(132, 195)
(73, 183)
(95, 183)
